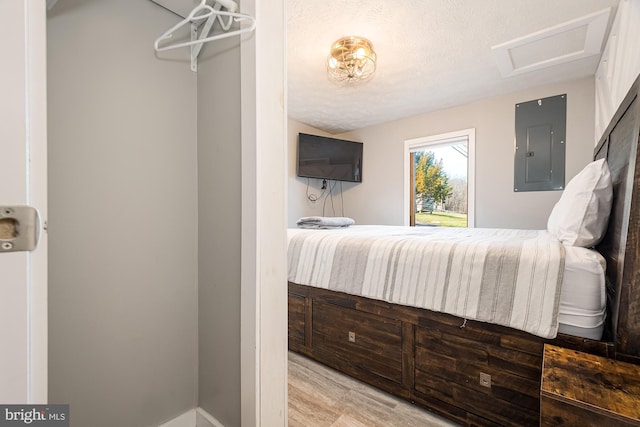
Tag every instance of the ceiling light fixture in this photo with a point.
(351, 59)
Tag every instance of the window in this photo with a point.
(440, 180)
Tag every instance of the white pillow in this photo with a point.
(581, 215)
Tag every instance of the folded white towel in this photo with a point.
(324, 222)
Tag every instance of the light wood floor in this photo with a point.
(322, 397)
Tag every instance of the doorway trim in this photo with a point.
(411, 145)
(23, 309)
(263, 290)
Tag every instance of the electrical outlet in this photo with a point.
(352, 336)
(485, 380)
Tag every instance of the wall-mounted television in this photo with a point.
(329, 158)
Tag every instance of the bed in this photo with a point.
(471, 273)
(447, 353)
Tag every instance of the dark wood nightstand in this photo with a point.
(580, 389)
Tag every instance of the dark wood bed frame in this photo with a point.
(436, 360)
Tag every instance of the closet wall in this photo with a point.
(219, 212)
(123, 242)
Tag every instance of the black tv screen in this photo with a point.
(329, 158)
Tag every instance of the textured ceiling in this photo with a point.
(432, 54)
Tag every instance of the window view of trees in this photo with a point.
(440, 198)
(457, 201)
(432, 182)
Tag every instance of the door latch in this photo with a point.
(19, 228)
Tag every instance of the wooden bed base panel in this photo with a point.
(427, 357)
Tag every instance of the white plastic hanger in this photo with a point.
(204, 11)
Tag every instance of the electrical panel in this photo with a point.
(540, 140)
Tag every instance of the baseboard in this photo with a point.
(188, 419)
(205, 419)
(197, 417)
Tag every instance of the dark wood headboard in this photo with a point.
(621, 244)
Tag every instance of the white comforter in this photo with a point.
(508, 277)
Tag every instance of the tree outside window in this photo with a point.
(432, 183)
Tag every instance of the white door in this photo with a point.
(23, 172)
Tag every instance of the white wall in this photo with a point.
(219, 228)
(379, 198)
(123, 216)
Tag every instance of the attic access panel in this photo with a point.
(539, 156)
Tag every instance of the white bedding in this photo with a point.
(582, 310)
(507, 277)
(553, 289)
